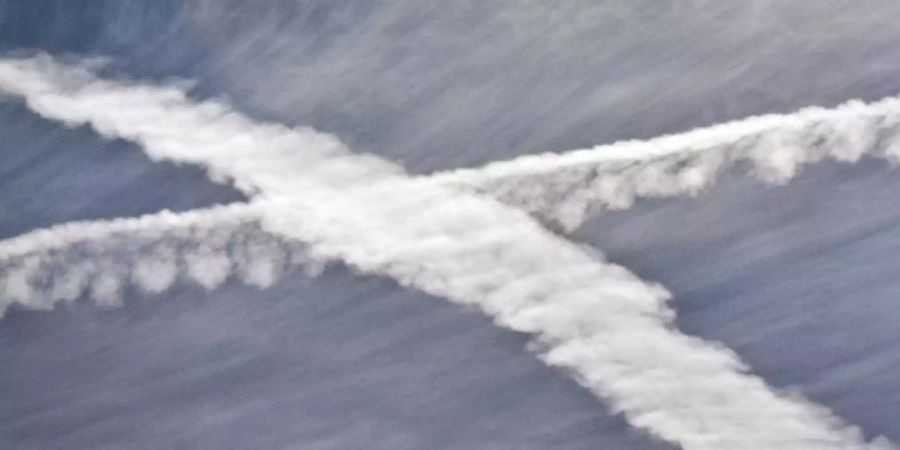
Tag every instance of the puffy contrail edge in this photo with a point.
(566, 188)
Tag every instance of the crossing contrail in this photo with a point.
(612, 331)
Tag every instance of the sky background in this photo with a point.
(798, 279)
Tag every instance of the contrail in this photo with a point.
(612, 331)
(566, 188)
(62, 236)
(60, 263)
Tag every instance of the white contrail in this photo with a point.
(62, 236)
(610, 329)
(60, 263)
(566, 187)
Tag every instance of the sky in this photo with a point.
(794, 278)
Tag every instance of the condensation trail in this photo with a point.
(567, 187)
(65, 235)
(61, 263)
(610, 329)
